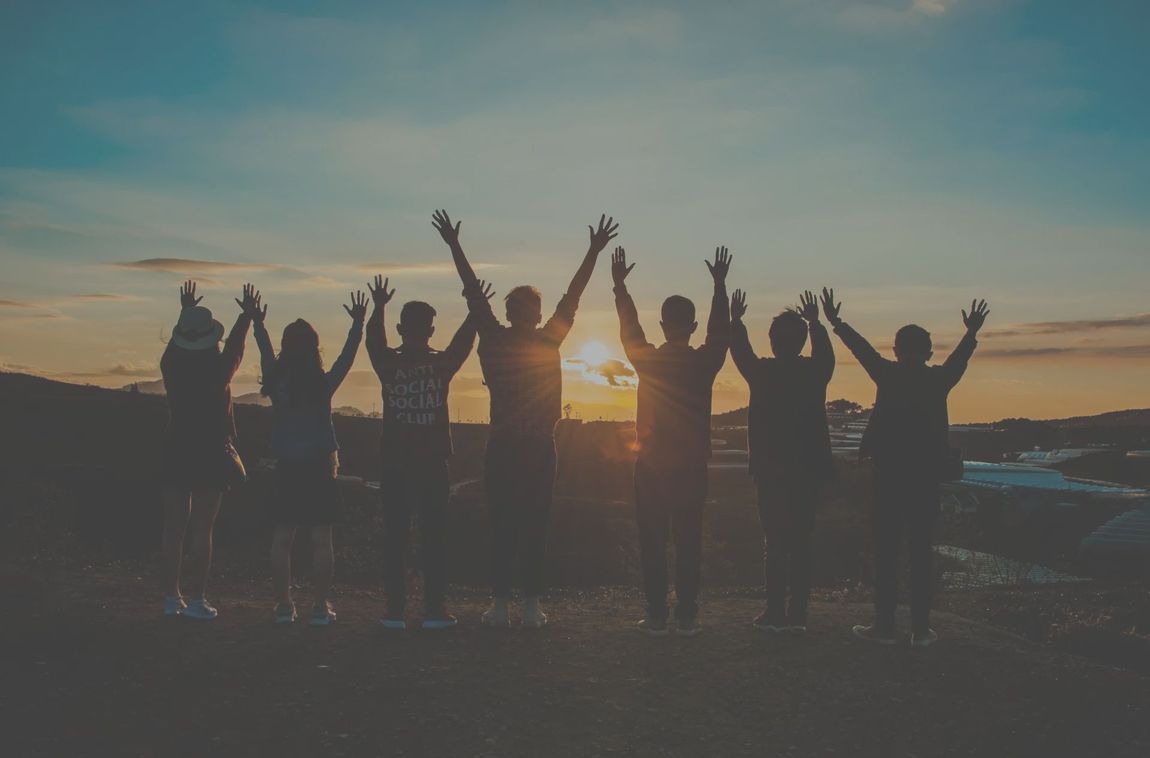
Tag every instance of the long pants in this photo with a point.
(520, 478)
(415, 488)
(669, 502)
(905, 501)
(787, 513)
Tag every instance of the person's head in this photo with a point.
(524, 306)
(678, 319)
(197, 331)
(416, 323)
(788, 334)
(299, 364)
(912, 345)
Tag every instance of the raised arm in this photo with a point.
(450, 234)
(635, 343)
(338, 371)
(956, 363)
(741, 350)
(873, 363)
(563, 319)
(233, 351)
(822, 352)
(460, 346)
(376, 338)
(719, 322)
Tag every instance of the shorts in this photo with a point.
(305, 492)
(201, 468)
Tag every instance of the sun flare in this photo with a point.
(594, 353)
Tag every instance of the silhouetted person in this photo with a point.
(673, 434)
(304, 494)
(415, 447)
(907, 442)
(521, 367)
(790, 448)
(200, 460)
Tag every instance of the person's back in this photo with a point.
(673, 435)
(907, 442)
(523, 372)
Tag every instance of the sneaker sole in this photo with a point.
(438, 626)
(767, 628)
(393, 626)
(688, 632)
(655, 632)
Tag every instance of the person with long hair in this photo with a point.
(305, 494)
(200, 460)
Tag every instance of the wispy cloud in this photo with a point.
(611, 372)
(190, 266)
(17, 304)
(1066, 327)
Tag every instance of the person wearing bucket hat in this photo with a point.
(304, 491)
(198, 450)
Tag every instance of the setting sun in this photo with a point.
(594, 353)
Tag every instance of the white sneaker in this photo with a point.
(393, 625)
(285, 613)
(533, 615)
(497, 616)
(439, 622)
(200, 610)
(174, 606)
(924, 640)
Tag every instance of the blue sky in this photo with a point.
(913, 154)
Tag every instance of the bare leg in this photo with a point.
(177, 505)
(322, 562)
(282, 539)
(205, 507)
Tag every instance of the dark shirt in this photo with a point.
(198, 384)
(522, 369)
(673, 418)
(788, 412)
(909, 425)
(415, 385)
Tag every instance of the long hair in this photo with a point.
(299, 366)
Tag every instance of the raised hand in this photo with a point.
(721, 265)
(738, 305)
(188, 295)
(977, 316)
(379, 294)
(619, 267)
(606, 232)
(358, 309)
(485, 289)
(830, 308)
(250, 305)
(442, 223)
(808, 307)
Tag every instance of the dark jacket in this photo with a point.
(788, 411)
(415, 386)
(673, 418)
(198, 384)
(909, 426)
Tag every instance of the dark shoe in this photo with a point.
(924, 639)
(875, 634)
(653, 627)
(768, 624)
(687, 628)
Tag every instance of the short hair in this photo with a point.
(912, 339)
(788, 332)
(522, 294)
(417, 313)
(678, 311)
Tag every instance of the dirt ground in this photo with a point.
(91, 669)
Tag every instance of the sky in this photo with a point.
(913, 154)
